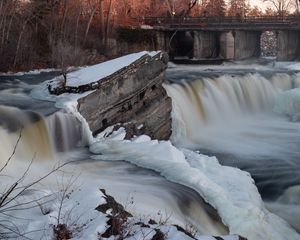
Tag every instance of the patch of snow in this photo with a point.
(146, 27)
(97, 72)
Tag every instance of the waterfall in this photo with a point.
(31, 128)
(218, 101)
(65, 131)
(40, 137)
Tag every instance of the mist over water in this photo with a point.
(231, 116)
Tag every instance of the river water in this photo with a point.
(50, 135)
(225, 112)
(229, 113)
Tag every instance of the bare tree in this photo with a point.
(237, 8)
(282, 6)
(92, 10)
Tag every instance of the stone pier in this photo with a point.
(162, 41)
(246, 44)
(227, 45)
(206, 44)
(288, 45)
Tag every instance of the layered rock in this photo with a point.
(133, 96)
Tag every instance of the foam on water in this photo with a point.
(232, 116)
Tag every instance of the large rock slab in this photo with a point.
(133, 97)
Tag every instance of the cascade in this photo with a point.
(40, 137)
(31, 128)
(218, 100)
(65, 131)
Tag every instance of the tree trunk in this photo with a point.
(107, 27)
(77, 24)
(101, 27)
(19, 43)
(170, 10)
(62, 28)
(89, 25)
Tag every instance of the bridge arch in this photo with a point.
(268, 42)
(181, 44)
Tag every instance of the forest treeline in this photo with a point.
(57, 33)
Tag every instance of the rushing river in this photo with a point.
(48, 134)
(225, 112)
(230, 114)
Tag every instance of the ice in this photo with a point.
(293, 66)
(288, 103)
(32, 72)
(231, 191)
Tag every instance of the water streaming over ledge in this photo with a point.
(48, 134)
(35, 141)
(210, 113)
(40, 137)
(208, 101)
(231, 116)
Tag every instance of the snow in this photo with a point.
(231, 191)
(97, 72)
(146, 27)
(288, 103)
(78, 210)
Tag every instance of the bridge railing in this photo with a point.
(182, 21)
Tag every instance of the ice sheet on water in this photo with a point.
(231, 191)
(32, 72)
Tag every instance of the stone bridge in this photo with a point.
(225, 37)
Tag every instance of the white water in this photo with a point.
(224, 115)
(61, 132)
(65, 131)
(53, 139)
(31, 127)
(216, 102)
(233, 118)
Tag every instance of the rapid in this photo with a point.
(227, 113)
(232, 116)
